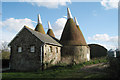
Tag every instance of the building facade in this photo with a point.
(30, 50)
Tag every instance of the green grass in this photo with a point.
(60, 71)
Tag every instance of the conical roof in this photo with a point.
(39, 26)
(50, 31)
(77, 25)
(71, 35)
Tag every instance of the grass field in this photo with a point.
(82, 70)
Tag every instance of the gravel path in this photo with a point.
(95, 68)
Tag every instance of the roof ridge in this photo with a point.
(53, 42)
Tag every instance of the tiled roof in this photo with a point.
(44, 37)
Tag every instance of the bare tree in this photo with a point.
(4, 47)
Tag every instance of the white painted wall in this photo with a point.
(88, 57)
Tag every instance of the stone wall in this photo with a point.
(25, 60)
(75, 54)
(51, 57)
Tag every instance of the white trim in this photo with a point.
(76, 22)
(114, 53)
(88, 56)
(69, 15)
(39, 19)
(41, 54)
(49, 25)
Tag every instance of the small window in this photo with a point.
(45, 45)
(19, 49)
(50, 49)
(45, 53)
(56, 50)
(32, 49)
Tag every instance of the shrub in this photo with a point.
(5, 55)
(96, 62)
(87, 63)
(114, 66)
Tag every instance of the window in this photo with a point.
(45, 45)
(19, 49)
(50, 49)
(45, 53)
(56, 50)
(32, 49)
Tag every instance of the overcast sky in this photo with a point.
(98, 21)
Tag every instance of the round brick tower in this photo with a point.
(75, 48)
